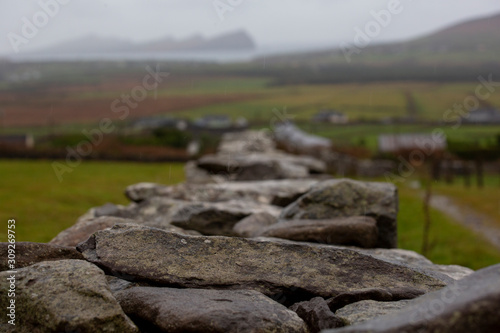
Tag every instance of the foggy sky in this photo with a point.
(270, 22)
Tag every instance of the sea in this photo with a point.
(227, 56)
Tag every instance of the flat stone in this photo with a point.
(259, 166)
(218, 218)
(82, 230)
(193, 218)
(467, 305)
(196, 175)
(362, 311)
(317, 315)
(345, 197)
(116, 284)
(414, 259)
(64, 296)
(358, 231)
(296, 140)
(200, 310)
(188, 217)
(28, 253)
(294, 269)
(252, 226)
(374, 294)
(247, 141)
(274, 192)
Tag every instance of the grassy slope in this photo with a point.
(450, 242)
(43, 207)
(30, 192)
(485, 200)
(371, 101)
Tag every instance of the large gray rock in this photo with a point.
(259, 166)
(190, 217)
(296, 140)
(251, 167)
(317, 315)
(196, 175)
(28, 253)
(374, 294)
(246, 142)
(362, 311)
(82, 230)
(345, 197)
(291, 269)
(64, 296)
(274, 192)
(200, 310)
(356, 231)
(252, 226)
(218, 218)
(413, 259)
(468, 305)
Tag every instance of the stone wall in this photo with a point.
(256, 240)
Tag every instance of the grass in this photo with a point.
(450, 242)
(369, 133)
(42, 207)
(485, 200)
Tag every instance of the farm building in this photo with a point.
(21, 140)
(295, 139)
(213, 122)
(150, 123)
(219, 122)
(330, 116)
(392, 143)
(483, 116)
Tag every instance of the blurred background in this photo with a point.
(97, 95)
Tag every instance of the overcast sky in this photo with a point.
(284, 22)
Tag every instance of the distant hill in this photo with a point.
(239, 40)
(480, 35)
(476, 40)
(469, 42)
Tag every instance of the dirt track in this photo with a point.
(468, 217)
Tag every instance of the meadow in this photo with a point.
(42, 206)
(31, 193)
(373, 108)
(191, 96)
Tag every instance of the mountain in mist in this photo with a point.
(479, 35)
(476, 41)
(238, 40)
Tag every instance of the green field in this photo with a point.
(368, 101)
(485, 200)
(367, 134)
(374, 108)
(450, 242)
(42, 206)
(31, 193)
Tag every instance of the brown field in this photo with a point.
(86, 103)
